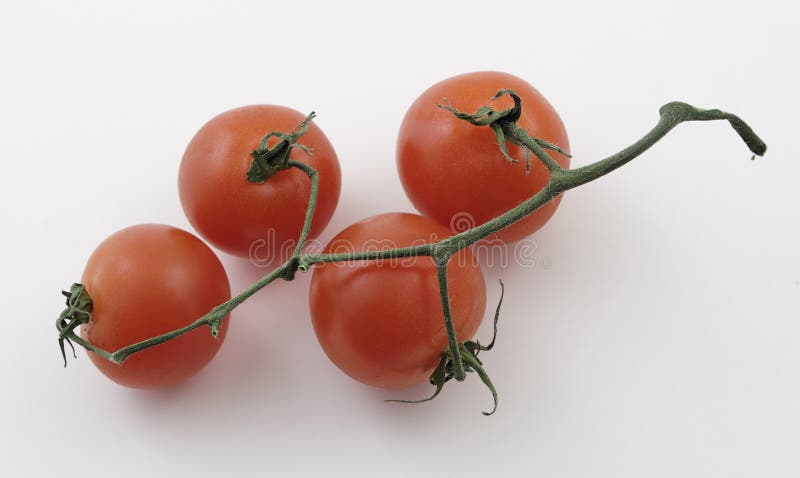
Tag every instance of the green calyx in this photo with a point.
(78, 311)
(268, 161)
(504, 125)
(468, 351)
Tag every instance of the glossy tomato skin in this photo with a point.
(246, 219)
(381, 322)
(452, 169)
(147, 280)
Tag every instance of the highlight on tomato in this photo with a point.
(450, 169)
(247, 216)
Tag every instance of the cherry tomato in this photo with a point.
(454, 171)
(381, 322)
(147, 280)
(254, 219)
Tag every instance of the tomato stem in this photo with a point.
(213, 320)
(441, 274)
(458, 358)
(313, 176)
(308, 260)
(672, 114)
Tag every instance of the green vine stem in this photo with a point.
(459, 358)
(441, 274)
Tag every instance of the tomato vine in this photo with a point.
(459, 358)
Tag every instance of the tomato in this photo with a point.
(381, 322)
(455, 172)
(147, 280)
(254, 219)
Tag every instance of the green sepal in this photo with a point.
(504, 125)
(78, 311)
(438, 378)
(268, 161)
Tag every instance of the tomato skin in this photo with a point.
(381, 322)
(449, 167)
(235, 215)
(147, 280)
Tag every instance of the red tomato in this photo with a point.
(452, 170)
(147, 280)
(381, 322)
(254, 219)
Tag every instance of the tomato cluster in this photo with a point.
(380, 322)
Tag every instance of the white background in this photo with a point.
(662, 341)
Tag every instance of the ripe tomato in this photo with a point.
(381, 322)
(147, 280)
(261, 219)
(452, 170)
